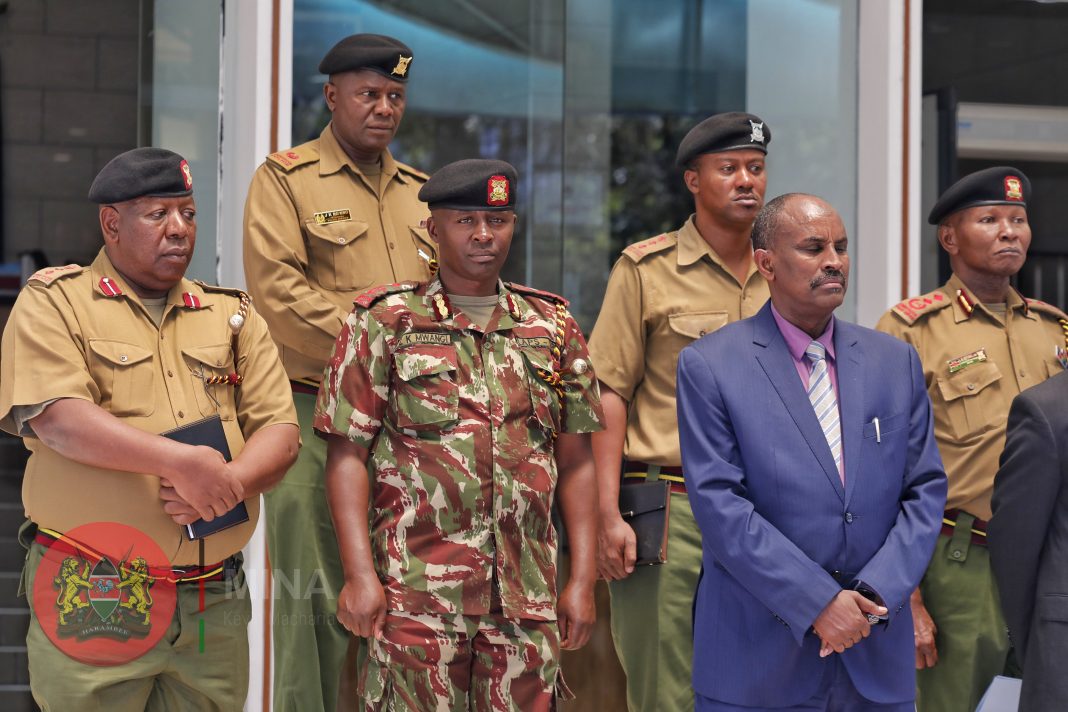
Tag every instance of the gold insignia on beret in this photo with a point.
(402, 66)
(1013, 188)
(497, 190)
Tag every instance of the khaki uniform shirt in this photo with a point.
(974, 365)
(317, 234)
(663, 294)
(460, 424)
(69, 336)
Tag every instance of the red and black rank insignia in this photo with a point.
(187, 175)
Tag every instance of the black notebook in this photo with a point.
(645, 507)
(208, 431)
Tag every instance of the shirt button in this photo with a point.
(849, 517)
(181, 414)
(170, 373)
(123, 358)
(1022, 374)
(341, 241)
(971, 386)
(218, 363)
(392, 246)
(957, 553)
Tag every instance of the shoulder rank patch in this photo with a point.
(50, 274)
(367, 298)
(912, 309)
(531, 292)
(1045, 308)
(414, 172)
(640, 250)
(291, 158)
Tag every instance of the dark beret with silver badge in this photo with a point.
(140, 172)
(1000, 185)
(379, 53)
(471, 184)
(733, 131)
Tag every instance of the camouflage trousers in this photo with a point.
(459, 663)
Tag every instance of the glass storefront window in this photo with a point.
(589, 100)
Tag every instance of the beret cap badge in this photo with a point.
(1013, 188)
(497, 190)
(402, 66)
(757, 136)
(187, 175)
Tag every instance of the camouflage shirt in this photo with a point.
(460, 426)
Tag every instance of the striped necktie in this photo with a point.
(821, 396)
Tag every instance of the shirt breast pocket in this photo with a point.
(694, 325)
(337, 260)
(972, 399)
(425, 394)
(123, 372)
(213, 362)
(544, 401)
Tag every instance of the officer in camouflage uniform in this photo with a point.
(455, 411)
(325, 221)
(981, 343)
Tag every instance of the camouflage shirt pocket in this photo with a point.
(544, 402)
(425, 394)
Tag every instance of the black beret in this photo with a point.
(471, 184)
(385, 55)
(732, 131)
(142, 171)
(1000, 185)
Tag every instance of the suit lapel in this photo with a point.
(779, 367)
(850, 401)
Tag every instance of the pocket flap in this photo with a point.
(969, 381)
(424, 361)
(119, 353)
(214, 356)
(697, 324)
(421, 235)
(338, 233)
(1053, 607)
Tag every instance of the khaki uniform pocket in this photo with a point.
(335, 260)
(205, 363)
(694, 325)
(123, 372)
(972, 400)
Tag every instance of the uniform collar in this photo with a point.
(965, 303)
(692, 247)
(510, 307)
(332, 158)
(109, 283)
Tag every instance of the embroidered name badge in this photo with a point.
(414, 338)
(962, 362)
(332, 216)
(535, 342)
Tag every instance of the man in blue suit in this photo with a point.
(813, 473)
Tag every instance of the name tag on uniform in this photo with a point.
(962, 362)
(332, 216)
(536, 342)
(436, 338)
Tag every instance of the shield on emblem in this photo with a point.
(104, 596)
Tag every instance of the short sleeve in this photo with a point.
(581, 410)
(355, 386)
(264, 397)
(617, 343)
(42, 359)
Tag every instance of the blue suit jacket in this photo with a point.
(775, 518)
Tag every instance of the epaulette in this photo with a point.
(640, 250)
(912, 309)
(291, 158)
(50, 274)
(1045, 308)
(232, 291)
(414, 172)
(367, 298)
(540, 294)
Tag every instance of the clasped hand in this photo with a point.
(844, 622)
(201, 486)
